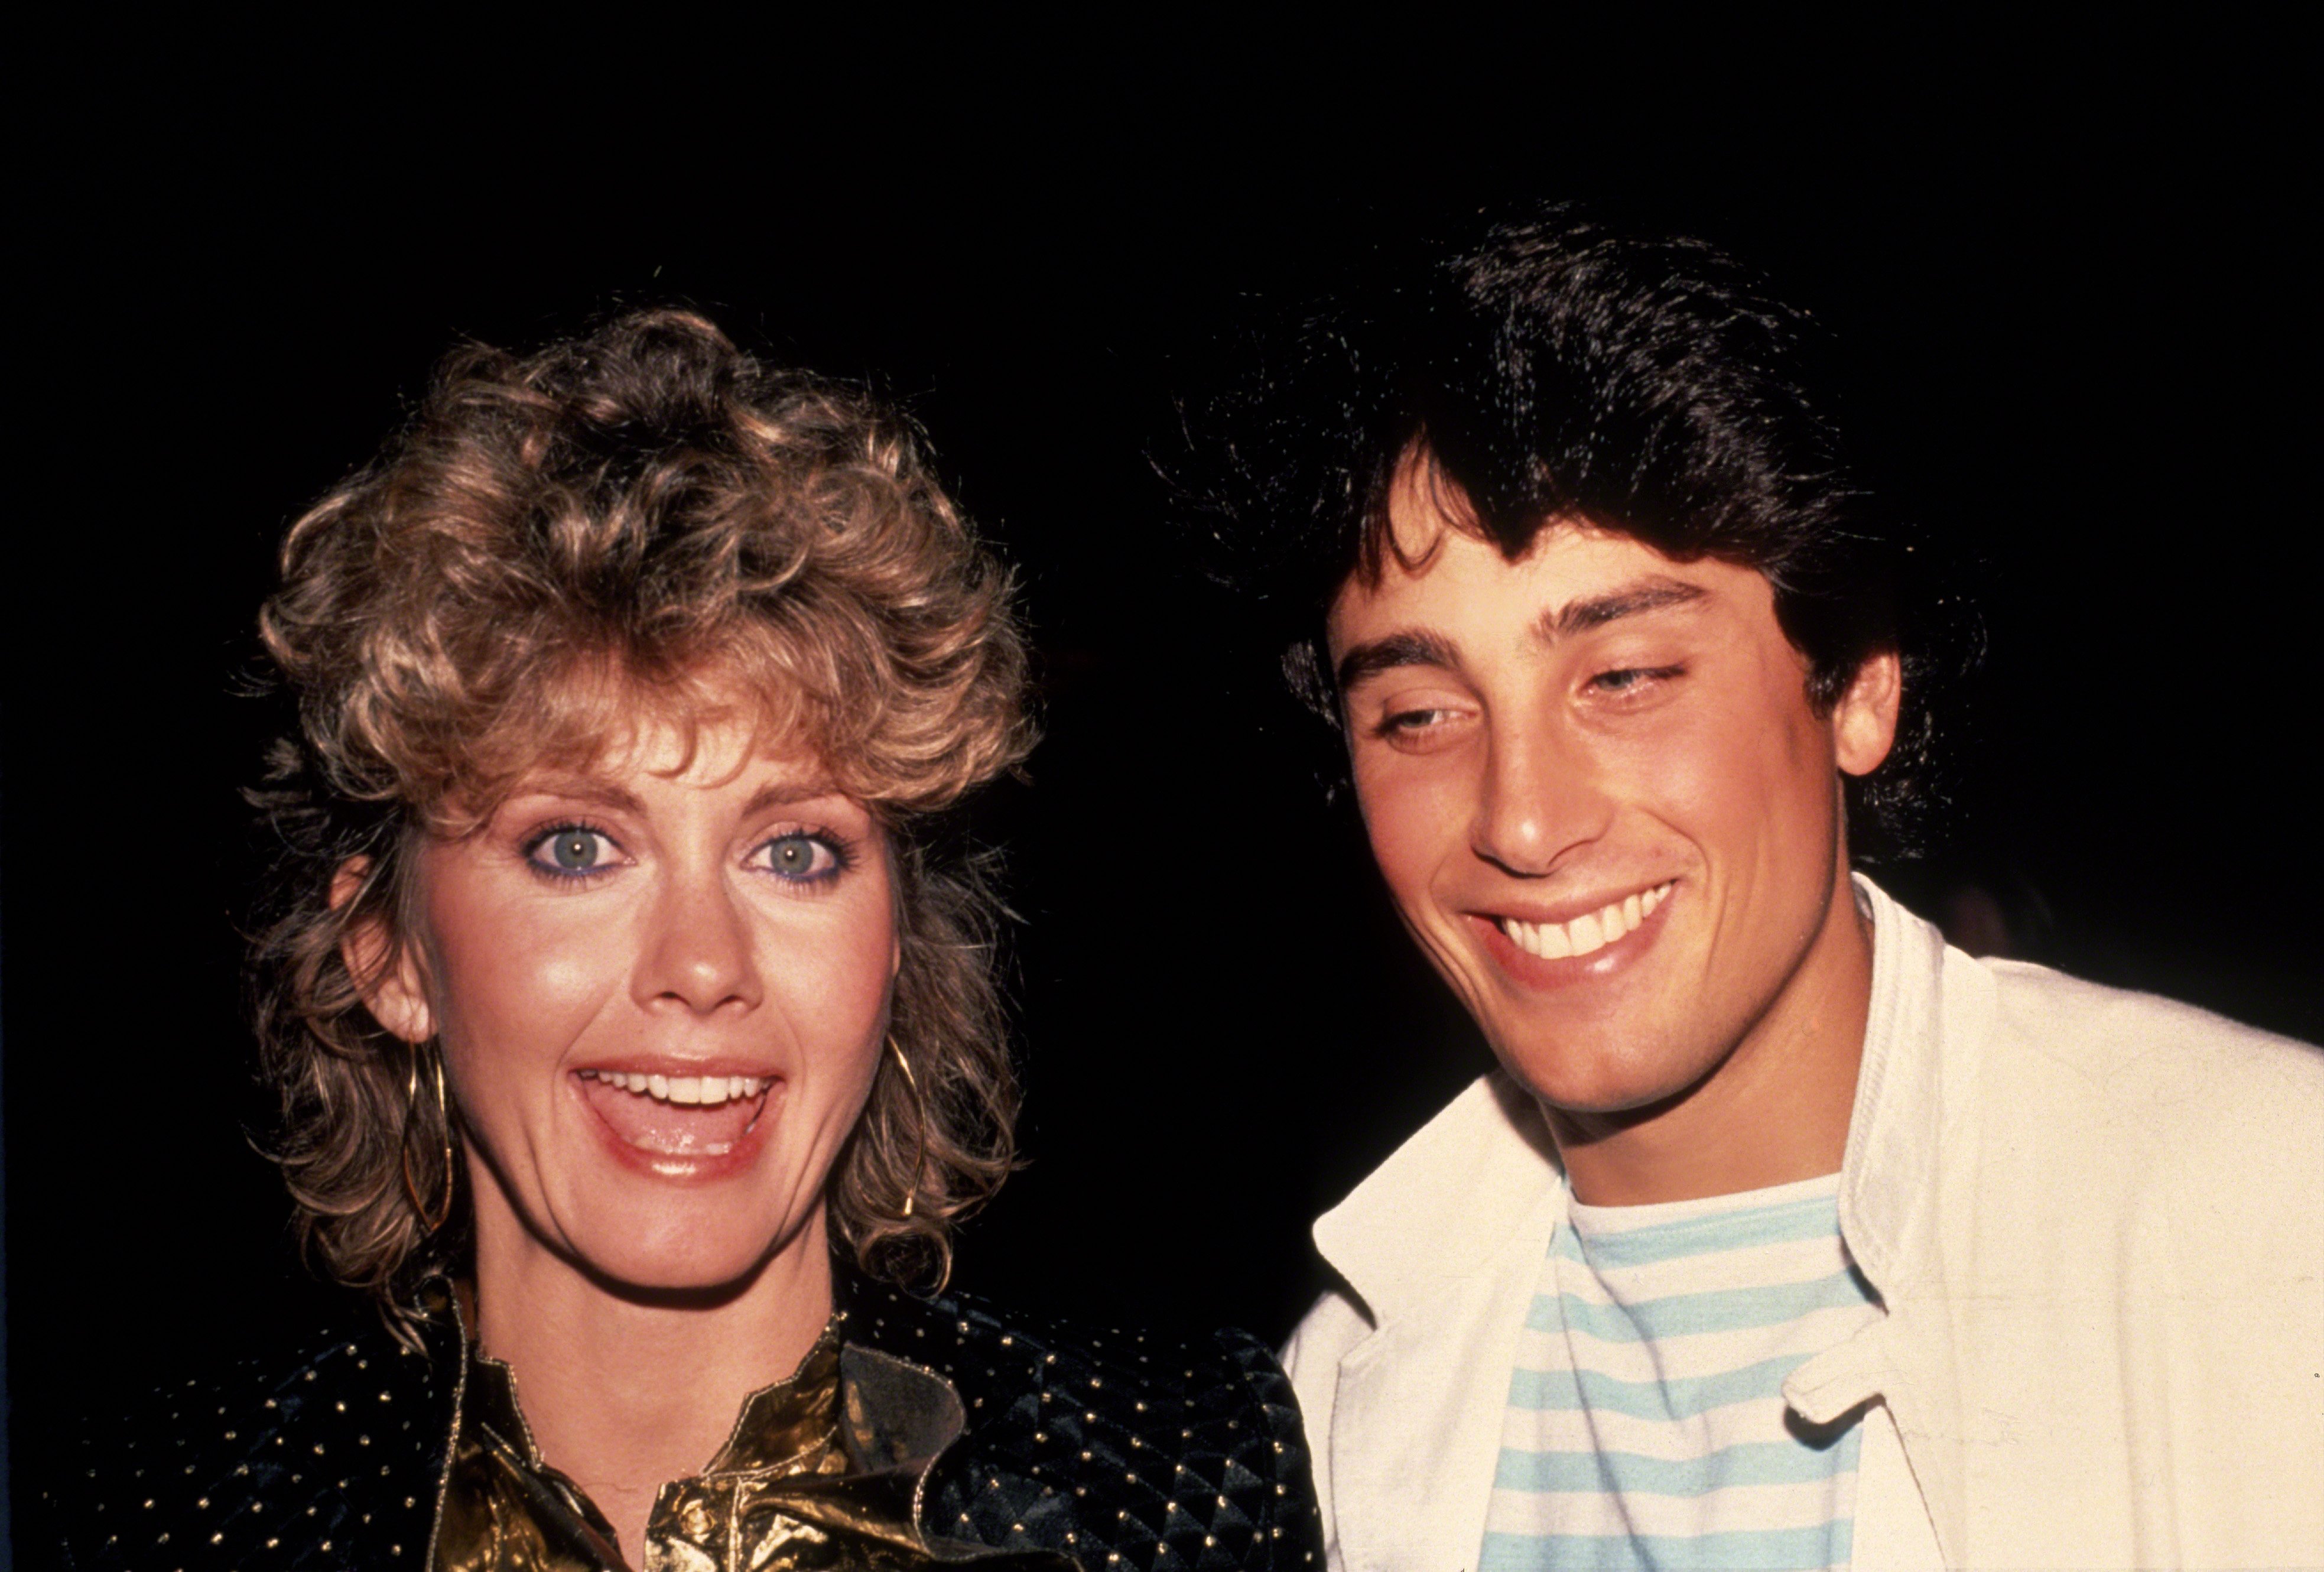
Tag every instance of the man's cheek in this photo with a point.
(1393, 820)
(1416, 827)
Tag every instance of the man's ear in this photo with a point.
(392, 988)
(1864, 721)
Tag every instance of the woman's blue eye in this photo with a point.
(571, 851)
(800, 856)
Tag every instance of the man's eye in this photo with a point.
(800, 857)
(1630, 678)
(571, 850)
(1421, 728)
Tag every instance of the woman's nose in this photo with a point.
(699, 952)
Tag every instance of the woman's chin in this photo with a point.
(630, 1240)
(709, 1267)
(707, 1280)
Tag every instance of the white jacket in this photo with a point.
(2095, 1220)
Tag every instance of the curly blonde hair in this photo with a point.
(644, 514)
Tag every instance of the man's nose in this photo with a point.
(1536, 800)
(698, 952)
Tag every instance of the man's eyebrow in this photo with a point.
(1400, 649)
(1419, 647)
(1580, 616)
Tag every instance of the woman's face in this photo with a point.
(661, 988)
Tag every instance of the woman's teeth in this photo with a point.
(1592, 931)
(704, 1090)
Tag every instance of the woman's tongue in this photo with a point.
(670, 1129)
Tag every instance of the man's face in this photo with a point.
(1601, 798)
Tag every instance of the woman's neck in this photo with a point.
(626, 1392)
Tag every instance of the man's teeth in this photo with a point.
(1590, 931)
(707, 1091)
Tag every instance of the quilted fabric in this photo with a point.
(331, 1462)
(1124, 1451)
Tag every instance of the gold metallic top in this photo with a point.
(822, 1471)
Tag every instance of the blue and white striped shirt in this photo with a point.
(1646, 1426)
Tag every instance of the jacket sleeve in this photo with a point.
(1292, 1532)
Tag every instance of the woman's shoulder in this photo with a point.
(334, 1449)
(1106, 1442)
(1107, 1445)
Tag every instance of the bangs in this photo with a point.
(1421, 478)
(595, 708)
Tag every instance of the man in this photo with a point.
(1784, 1236)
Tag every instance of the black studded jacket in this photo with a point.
(1121, 1451)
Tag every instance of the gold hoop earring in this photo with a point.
(411, 1110)
(919, 1130)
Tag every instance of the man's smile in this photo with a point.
(1592, 931)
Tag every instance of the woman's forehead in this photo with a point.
(596, 732)
(709, 748)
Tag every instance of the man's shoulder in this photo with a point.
(1124, 1438)
(2136, 1048)
(2188, 1131)
(2006, 1043)
(335, 1446)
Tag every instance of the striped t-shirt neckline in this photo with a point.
(1645, 1424)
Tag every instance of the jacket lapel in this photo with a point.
(1442, 1246)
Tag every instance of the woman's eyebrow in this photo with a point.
(776, 794)
(1410, 647)
(1578, 616)
(581, 789)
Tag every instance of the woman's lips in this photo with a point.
(677, 1116)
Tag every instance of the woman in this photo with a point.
(635, 1043)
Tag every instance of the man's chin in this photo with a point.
(1575, 1083)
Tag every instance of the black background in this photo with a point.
(2063, 267)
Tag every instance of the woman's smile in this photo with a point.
(678, 1119)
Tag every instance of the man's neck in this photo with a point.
(1774, 1111)
(625, 1393)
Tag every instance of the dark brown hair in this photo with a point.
(1547, 368)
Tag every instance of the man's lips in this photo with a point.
(666, 1116)
(1588, 932)
(1550, 952)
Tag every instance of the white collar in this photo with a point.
(1445, 1202)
